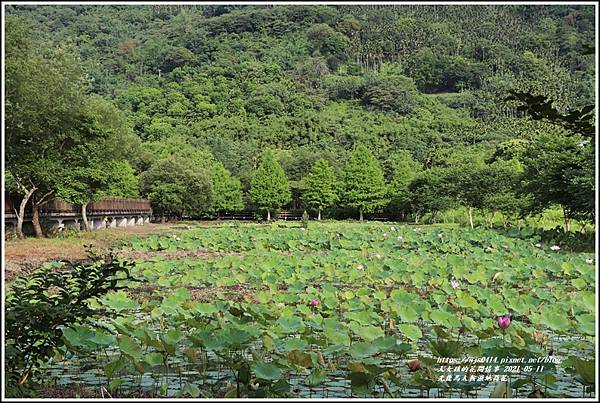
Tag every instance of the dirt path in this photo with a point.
(22, 255)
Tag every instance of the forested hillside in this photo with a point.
(181, 102)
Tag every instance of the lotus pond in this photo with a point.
(340, 310)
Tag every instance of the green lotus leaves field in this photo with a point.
(339, 310)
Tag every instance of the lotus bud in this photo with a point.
(414, 365)
(503, 321)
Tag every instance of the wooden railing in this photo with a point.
(290, 215)
(242, 216)
(103, 206)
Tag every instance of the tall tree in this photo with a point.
(404, 170)
(431, 193)
(468, 184)
(559, 170)
(44, 107)
(320, 187)
(363, 184)
(227, 190)
(98, 163)
(269, 188)
(503, 192)
(177, 187)
(85, 184)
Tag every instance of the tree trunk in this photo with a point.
(268, 215)
(163, 219)
(35, 207)
(565, 215)
(35, 219)
(21, 213)
(470, 213)
(86, 223)
(492, 219)
(360, 212)
(319, 215)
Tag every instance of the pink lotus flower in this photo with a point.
(503, 322)
(314, 302)
(385, 234)
(455, 284)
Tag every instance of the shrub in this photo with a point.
(38, 307)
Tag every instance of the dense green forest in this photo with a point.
(343, 110)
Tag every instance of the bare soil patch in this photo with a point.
(22, 255)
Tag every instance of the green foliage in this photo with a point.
(430, 192)
(310, 81)
(325, 41)
(344, 87)
(177, 57)
(559, 170)
(467, 181)
(305, 219)
(540, 107)
(37, 309)
(124, 182)
(549, 292)
(433, 72)
(392, 93)
(503, 190)
(269, 187)
(403, 170)
(363, 184)
(44, 110)
(178, 187)
(226, 189)
(320, 187)
(10, 185)
(97, 166)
